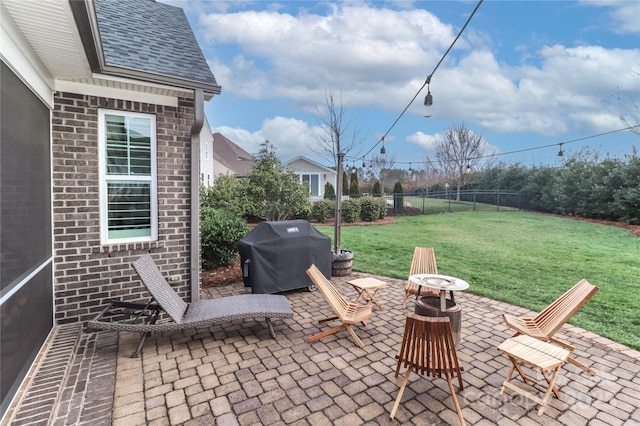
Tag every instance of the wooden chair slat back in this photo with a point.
(554, 316)
(337, 302)
(424, 261)
(428, 347)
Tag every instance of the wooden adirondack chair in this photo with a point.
(545, 324)
(424, 262)
(347, 313)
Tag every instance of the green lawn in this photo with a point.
(521, 258)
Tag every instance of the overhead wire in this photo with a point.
(427, 81)
(528, 149)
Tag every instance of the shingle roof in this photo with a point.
(151, 37)
(231, 155)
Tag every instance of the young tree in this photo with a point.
(398, 197)
(329, 192)
(377, 189)
(336, 134)
(459, 153)
(335, 140)
(274, 192)
(345, 184)
(354, 187)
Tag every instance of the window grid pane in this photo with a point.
(129, 206)
(128, 145)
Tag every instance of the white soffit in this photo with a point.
(50, 29)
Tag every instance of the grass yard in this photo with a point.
(520, 258)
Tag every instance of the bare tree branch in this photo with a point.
(336, 135)
(460, 152)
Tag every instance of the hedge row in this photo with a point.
(368, 209)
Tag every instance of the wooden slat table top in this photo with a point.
(535, 352)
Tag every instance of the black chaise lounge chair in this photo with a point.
(142, 318)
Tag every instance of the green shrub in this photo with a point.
(329, 191)
(377, 189)
(398, 197)
(322, 210)
(382, 207)
(220, 233)
(350, 211)
(354, 187)
(228, 193)
(370, 209)
(345, 183)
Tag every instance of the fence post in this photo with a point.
(498, 201)
(474, 200)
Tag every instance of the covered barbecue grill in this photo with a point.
(274, 256)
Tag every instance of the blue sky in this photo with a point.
(524, 74)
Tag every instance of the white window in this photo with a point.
(206, 150)
(313, 180)
(128, 181)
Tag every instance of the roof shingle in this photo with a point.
(151, 37)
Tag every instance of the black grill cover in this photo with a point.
(274, 256)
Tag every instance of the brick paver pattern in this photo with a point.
(235, 374)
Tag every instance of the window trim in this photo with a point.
(319, 188)
(104, 178)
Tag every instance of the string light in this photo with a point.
(558, 144)
(428, 100)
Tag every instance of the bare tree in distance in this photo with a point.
(379, 167)
(459, 153)
(628, 110)
(337, 135)
(429, 175)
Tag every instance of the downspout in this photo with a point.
(198, 121)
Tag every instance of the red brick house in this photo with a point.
(101, 112)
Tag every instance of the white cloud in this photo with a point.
(424, 141)
(370, 55)
(290, 137)
(379, 58)
(624, 14)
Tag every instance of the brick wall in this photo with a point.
(86, 273)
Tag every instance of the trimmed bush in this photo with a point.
(350, 211)
(322, 210)
(329, 191)
(370, 209)
(398, 197)
(382, 206)
(377, 189)
(221, 232)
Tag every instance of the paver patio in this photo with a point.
(235, 374)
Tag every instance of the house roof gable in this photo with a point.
(144, 40)
(231, 155)
(310, 162)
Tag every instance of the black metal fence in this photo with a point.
(447, 201)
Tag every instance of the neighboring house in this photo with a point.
(229, 158)
(102, 106)
(314, 174)
(206, 156)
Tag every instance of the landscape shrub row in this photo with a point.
(583, 185)
(368, 209)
